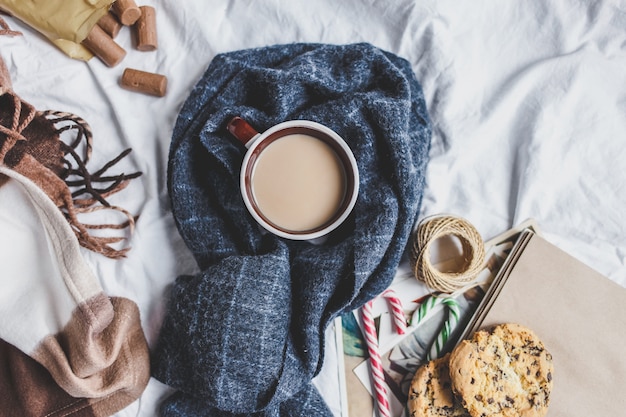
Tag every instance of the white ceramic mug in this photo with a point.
(299, 179)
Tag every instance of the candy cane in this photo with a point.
(371, 337)
(450, 324)
(396, 310)
(376, 365)
(446, 331)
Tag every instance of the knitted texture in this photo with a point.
(245, 335)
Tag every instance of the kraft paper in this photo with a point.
(65, 22)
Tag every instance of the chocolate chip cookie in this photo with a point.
(503, 373)
(431, 394)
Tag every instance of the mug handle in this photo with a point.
(242, 130)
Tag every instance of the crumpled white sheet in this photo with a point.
(527, 99)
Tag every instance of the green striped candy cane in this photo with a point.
(426, 308)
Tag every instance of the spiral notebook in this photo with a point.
(579, 314)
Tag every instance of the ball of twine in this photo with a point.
(433, 228)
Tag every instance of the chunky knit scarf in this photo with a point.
(244, 337)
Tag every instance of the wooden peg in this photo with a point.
(144, 82)
(145, 28)
(127, 11)
(104, 47)
(110, 24)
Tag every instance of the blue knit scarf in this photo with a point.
(244, 337)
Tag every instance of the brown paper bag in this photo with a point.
(65, 22)
(578, 313)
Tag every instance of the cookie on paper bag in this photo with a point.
(503, 373)
(431, 393)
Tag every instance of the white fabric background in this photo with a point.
(527, 99)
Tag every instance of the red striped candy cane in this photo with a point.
(396, 309)
(376, 364)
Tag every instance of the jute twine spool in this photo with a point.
(433, 228)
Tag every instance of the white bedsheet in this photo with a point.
(527, 100)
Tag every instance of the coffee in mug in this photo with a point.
(299, 179)
(298, 182)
